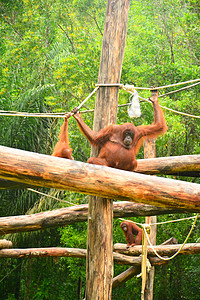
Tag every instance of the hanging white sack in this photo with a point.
(134, 108)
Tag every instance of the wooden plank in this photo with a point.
(60, 173)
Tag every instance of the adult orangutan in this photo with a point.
(130, 229)
(119, 144)
(62, 148)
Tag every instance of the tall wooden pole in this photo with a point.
(100, 211)
(150, 152)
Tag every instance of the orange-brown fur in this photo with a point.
(114, 151)
(130, 230)
(62, 148)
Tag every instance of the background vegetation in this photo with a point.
(49, 60)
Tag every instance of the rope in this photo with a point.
(90, 95)
(125, 87)
(42, 115)
(45, 115)
(171, 221)
(141, 224)
(175, 254)
(176, 91)
(180, 113)
(175, 111)
(35, 115)
(129, 86)
(110, 84)
(160, 223)
(43, 194)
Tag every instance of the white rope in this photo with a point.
(55, 198)
(35, 115)
(173, 221)
(160, 223)
(110, 85)
(141, 224)
(175, 254)
(62, 115)
(129, 86)
(42, 115)
(90, 95)
(175, 111)
(184, 88)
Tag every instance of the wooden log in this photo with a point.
(125, 276)
(8, 184)
(150, 152)
(124, 259)
(73, 214)
(69, 252)
(99, 271)
(48, 171)
(43, 252)
(134, 270)
(170, 241)
(4, 244)
(64, 252)
(163, 250)
(185, 165)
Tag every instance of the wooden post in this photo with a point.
(150, 152)
(100, 211)
(144, 262)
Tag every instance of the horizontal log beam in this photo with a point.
(47, 171)
(71, 252)
(163, 250)
(4, 244)
(70, 215)
(185, 165)
(64, 252)
(125, 276)
(10, 185)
